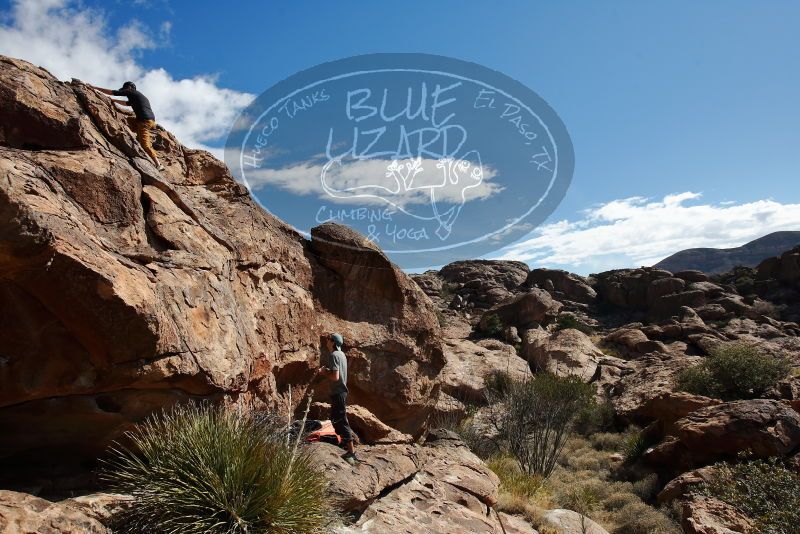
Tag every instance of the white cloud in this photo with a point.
(367, 180)
(76, 42)
(635, 231)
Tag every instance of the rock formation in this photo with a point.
(124, 289)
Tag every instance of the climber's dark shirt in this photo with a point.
(139, 103)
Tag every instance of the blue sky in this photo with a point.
(660, 98)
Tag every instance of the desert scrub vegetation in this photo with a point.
(493, 327)
(742, 278)
(535, 418)
(636, 444)
(585, 480)
(766, 491)
(567, 320)
(200, 468)
(555, 447)
(733, 371)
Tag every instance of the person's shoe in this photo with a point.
(350, 458)
(160, 167)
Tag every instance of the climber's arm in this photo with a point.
(122, 109)
(328, 373)
(103, 90)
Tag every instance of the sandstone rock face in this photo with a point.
(566, 286)
(566, 352)
(784, 268)
(764, 427)
(469, 362)
(778, 280)
(669, 406)
(483, 283)
(568, 522)
(369, 428)
(658, 295)
(628, 288)
(706, 515)
(124, 290)
(682, 485)
(526, 310)
(636, 396)
(449, 490)
(22, 513)
(761, 427)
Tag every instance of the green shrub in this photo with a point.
(635, 446)
(566, 320)
(204, 469)
(493, 327)
(764, 490)
(595, 417)
(733, 371)
(448, 291)
(497, 383)
(538, 418)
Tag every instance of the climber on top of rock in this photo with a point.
(336, 370)
(141, 120)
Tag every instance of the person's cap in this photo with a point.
(129, 84)
(337, 339)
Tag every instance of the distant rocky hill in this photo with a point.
(720, 260)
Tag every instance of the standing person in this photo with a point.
(336, 370)
(141, 120)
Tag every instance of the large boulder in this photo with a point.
(641, 396)
(484, 283)
(627, 288)
(778, 281)
(367, 427)
(561, 521)
(707, 515)
(763, 427)
(450, 490)
(760, 427)
(89, 514)
(469, 362)
(124, 290)
(526, 310)
(565, 286)
(565, 352)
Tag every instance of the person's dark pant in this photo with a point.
(339, 417)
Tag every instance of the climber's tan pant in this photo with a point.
(142, 130)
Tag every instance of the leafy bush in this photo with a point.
(566, 320)
(538, 417)
(764, 490)
(493, 327)
(204, 469)
(733, 371)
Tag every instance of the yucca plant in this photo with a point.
(206, 469)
